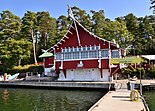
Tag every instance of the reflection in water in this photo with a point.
(48, 100)
(5, 95)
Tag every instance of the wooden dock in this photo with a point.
(118, 100)
(146, 84)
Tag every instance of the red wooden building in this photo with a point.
(82, 56)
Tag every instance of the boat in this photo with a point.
(9, 77)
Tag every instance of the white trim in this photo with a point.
(70, 32)
(77, 33)
(99, 63)
(74, 20)
(59, 43)
(83, 59)
(95, 35)
(61, 66)
(109, 51)
(72, 27)
(66, 37)
(63, 40)
(116, 50)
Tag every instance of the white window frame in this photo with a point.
(106, 54)
(58, 56)
(93, 54)
(113, 54)
(84, 54)
(76, 55)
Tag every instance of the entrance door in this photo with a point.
(70, 74)
(80, 74)
(88, 75)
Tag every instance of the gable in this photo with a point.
(86, 39)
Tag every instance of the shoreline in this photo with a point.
(59, 85)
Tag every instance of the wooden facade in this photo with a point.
(82, 56)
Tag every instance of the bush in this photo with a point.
(27, 68)
(36, 68)
(152, 72)
(133, 72)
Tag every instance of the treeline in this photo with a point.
(21, 39)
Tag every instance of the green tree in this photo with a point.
(98, 20)
(15, 50)
(29, 29)
(146, 33)
(63, 24)
(118, 31)
(111, 30)
(47, 29)
(82, 17)
(132, 26)
(9, 26)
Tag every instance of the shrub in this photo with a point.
(133, 72)
(152, 72)
(36, 68)
(27, 68)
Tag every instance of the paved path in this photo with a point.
(118, 101)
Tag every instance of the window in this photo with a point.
(97, 47)
(115, 54)
(75, 49)
(58, 56)
(84, 48)
(84, 54)
(104, 53)
(75, 55)
(67, 50)
(67, 55)
(71, 49)
(63, 50)
(93, 47)
(80, 48)
(93, 54)
(79, 53)
(88, 48)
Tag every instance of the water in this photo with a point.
(150, 99)
(47, 100)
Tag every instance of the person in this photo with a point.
(5, 76)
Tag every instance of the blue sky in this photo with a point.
(112, 8)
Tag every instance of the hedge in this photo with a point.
(27, 68)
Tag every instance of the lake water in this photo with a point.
(47, 100)
(150, 99)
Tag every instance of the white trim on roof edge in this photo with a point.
(71, 26)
